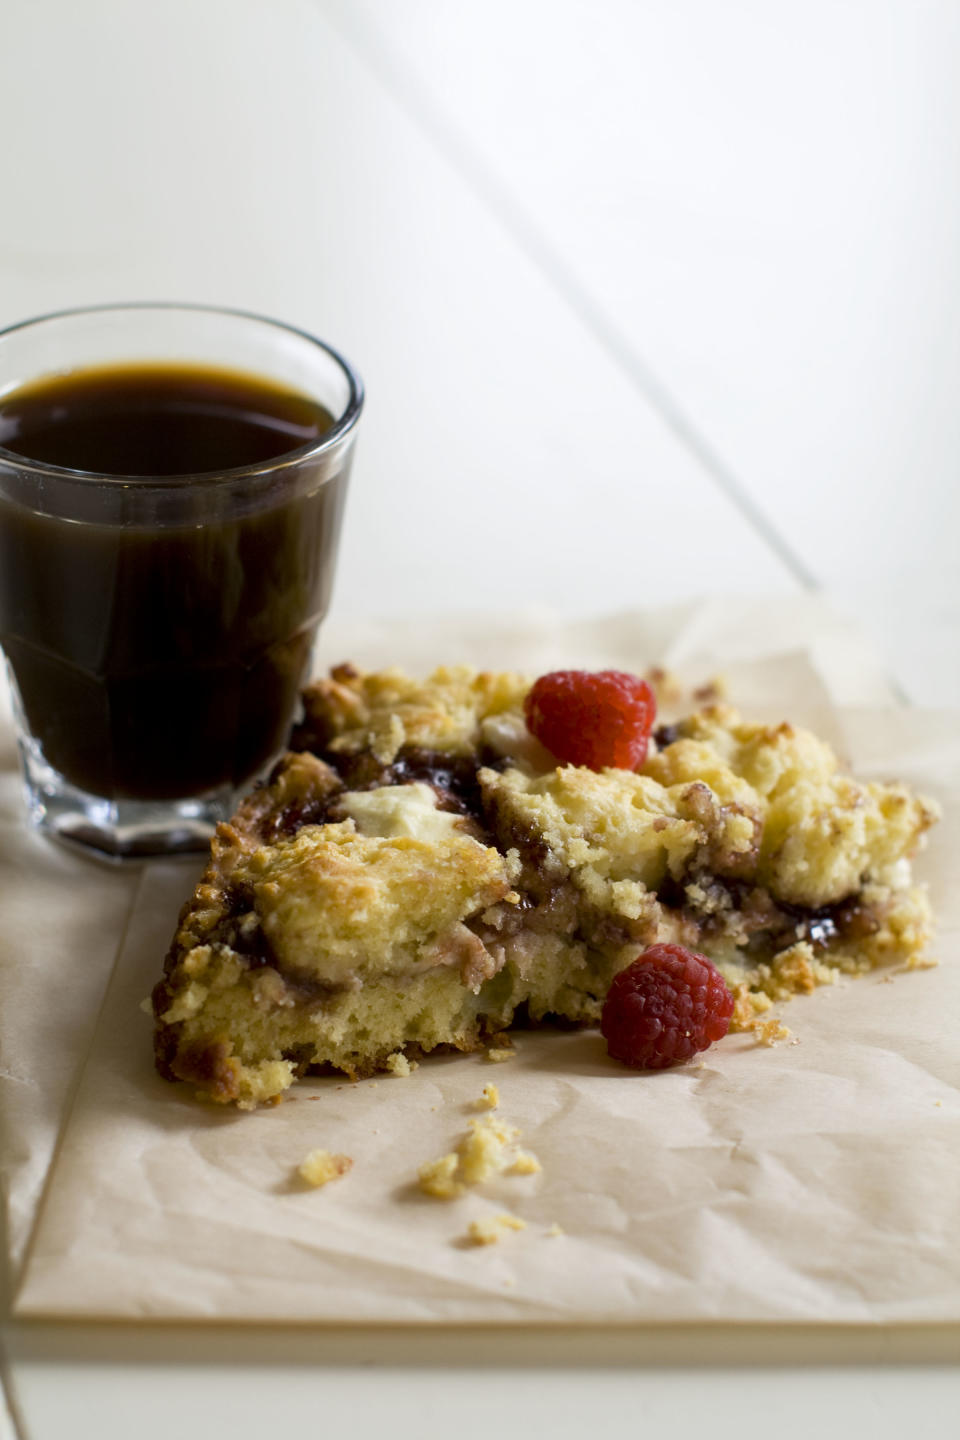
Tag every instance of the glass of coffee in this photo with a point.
(172, 481)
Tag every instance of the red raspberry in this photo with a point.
(594, 719)
(664, 1008)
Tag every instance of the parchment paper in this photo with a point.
(61, 919)
(817, 1181)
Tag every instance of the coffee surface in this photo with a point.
(157, 420)
(159, 661)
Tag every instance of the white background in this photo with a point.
(652, 300)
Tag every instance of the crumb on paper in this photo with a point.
(553, 1230)
(398, 1064)
(938, 1102)
(526, 1163)
(489, 1148)
(320, 1167)
(716, 688)
(499, 1053)
(771, 1032)
(482, 1152)
(745, 1019)
(665, 685)
(146, 1006)
(921, 962)
(437, 1177)
(489, 1230)
(484, 1232)
(489, 1098)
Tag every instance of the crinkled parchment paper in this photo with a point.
(61, 919)
(817, 1181)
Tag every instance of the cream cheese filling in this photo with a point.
(393, 810)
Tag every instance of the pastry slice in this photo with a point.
(421, 872)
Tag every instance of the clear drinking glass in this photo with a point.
(157, 629)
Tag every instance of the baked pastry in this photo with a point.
(419, 871)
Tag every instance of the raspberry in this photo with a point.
(594, 719)
(664, 1008)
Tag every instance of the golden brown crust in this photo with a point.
(385, 710)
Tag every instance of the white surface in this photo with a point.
(500, 440)
(757, 207)
(407, 1403)
(647, 297)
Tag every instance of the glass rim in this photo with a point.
(289, 459)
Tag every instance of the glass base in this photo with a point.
(118, 830)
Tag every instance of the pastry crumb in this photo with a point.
(746, 1019)
(554, 1229)
(489, 1148)
(489, 1098)
(398, 1064)
(436, 1177)
(771, 1032)
(500, 1053)
(489, 1230)
(716, 688)
(666, 685)
(526, 1163)
(320, 1167)
(486, 1150)
(483, 1232)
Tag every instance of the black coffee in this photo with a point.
(157, 661)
